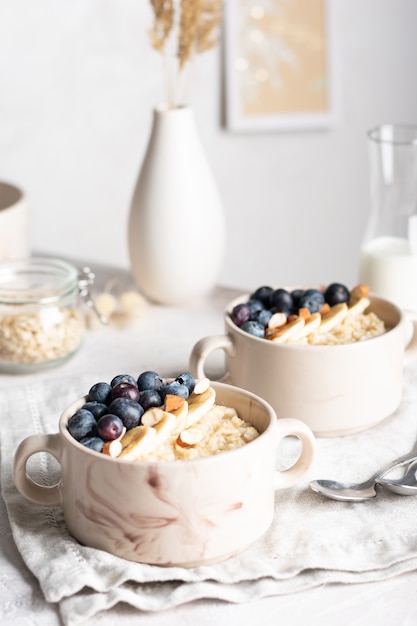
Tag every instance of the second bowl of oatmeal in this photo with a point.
(341, 385)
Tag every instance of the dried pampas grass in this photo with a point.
(182, 29)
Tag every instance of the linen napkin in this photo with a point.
(312, 540)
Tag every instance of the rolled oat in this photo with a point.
(39, 337)
(352, 329)
(220, 429)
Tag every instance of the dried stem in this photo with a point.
(194, 25)
(208, 27)
(163, 23)
(160, 34)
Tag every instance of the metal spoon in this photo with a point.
(359, 492)
(406, 485)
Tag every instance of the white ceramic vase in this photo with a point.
(176, 221)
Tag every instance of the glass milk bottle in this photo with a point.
(388, 260)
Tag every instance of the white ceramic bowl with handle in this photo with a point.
(335, 389)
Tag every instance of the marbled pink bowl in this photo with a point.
(184, 513)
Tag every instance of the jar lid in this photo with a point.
(42, 280)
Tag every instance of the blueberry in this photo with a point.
(296, 296)
(125, 390)
(94, 443)
(82, 424)
(255, 306)
(240, 314)
(254, 328)
(187, 380)
(281, 299)
(149, 398)
(150, 380)
(312, 299)
(123, 378)
(263, 294)
(109, 427)
(100, 392)
(263, 317)
(175, 388)
(336, 294)
(96, 408)
(316, 293)
(129, 411)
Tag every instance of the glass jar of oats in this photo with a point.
(41, 324)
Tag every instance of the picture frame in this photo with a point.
(280, 65)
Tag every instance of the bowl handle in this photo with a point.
(40, 494)
(411, 348)
(288, 427)
(203, 348)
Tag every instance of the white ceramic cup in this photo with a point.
(336, 390)
(14, 227)
(184, 512)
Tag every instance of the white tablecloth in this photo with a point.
(163, 341)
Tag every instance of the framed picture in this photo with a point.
(280, 65)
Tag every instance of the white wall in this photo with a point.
(78, 81)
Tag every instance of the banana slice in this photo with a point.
(158, 425)
(334, 317)
(137, 441)
(359, 306)
(198, 405)
(164, 428)
(180, 415)
(310, 325)
(290, 331)
(163, 422)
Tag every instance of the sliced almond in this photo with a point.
(358, 292)
(305, 313)
(189, 437)
(201, 386)
(152, 416)
(325, 308)
(179, 442)
(112, 448)
(181, 412)
(276, 320)
(173, 402)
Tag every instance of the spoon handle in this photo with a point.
(409, 478)
(402, 460)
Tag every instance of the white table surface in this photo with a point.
(163, 341)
